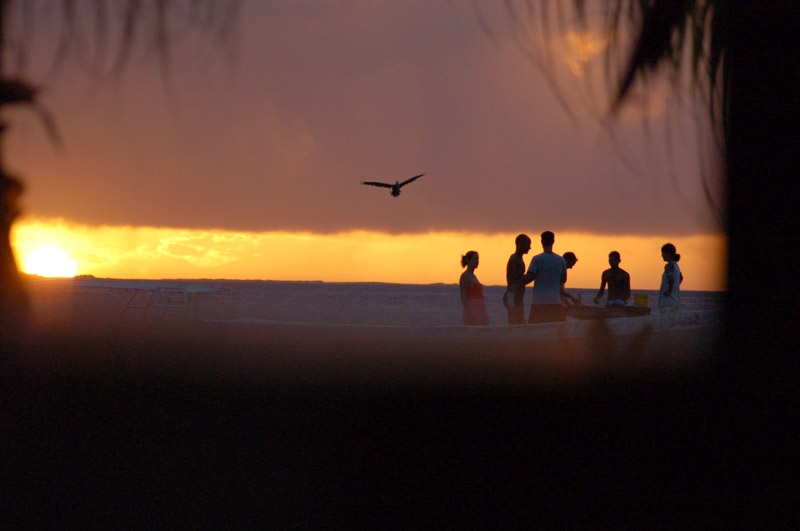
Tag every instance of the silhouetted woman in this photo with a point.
(472, 292)
(669, 295)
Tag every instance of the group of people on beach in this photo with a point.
(548, 272)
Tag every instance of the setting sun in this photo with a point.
(50, 261)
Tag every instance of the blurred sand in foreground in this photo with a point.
(140, 422)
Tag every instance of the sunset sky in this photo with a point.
(245, 160)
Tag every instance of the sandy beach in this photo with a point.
(256, 422)
(384, 320)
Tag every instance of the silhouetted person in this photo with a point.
(472, 301)
(669, 295)
(548, 271)
(569, 300)
(618, 280)
(514, 299)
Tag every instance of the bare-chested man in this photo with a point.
(618, 280)
(515, 270)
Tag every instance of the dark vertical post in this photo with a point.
(13, 300)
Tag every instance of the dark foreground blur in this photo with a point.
(187, 424)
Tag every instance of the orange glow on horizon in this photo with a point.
(356, 256)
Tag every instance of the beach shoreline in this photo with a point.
(56, 300)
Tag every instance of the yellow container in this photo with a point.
(640, 299)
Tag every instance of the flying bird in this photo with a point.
(396, 186)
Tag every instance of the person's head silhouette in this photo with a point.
(523, 243)
(470, 260)
(669, 253)
(570, 258)
(548, 239)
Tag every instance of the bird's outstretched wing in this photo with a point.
(373, 183)
(411, 179)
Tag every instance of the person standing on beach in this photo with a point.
(514, 299)
(669, 295)
(568, 300)
(472, 301)
(618, 280)
(548, 271)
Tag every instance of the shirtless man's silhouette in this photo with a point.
(618, 280)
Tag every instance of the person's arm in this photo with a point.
(573, 300)
(602, 288)
(670, 270)
(526, 279)
(567, 296)
(627, 288)
(463, 285)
